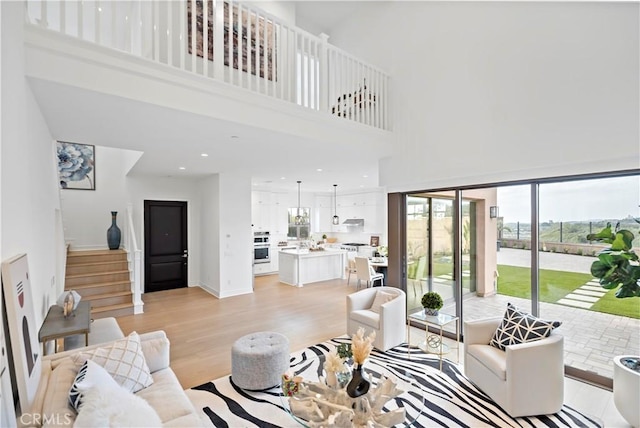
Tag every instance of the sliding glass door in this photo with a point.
(431, 249)
(526, 244)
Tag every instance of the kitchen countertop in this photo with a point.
(308, 253)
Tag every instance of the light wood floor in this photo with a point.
(202, 328)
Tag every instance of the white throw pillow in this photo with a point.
(381, 299)
(90, 374)
(106, 404)
(123, 359)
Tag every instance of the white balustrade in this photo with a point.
(270, 57)
(134, 257)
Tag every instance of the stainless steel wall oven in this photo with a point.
(261, 250)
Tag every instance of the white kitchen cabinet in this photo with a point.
(279, 213)
(322, 221)
(261, 210)
(273, 254)
(262, 268)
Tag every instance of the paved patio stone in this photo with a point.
(582, 298)
(588, 292)
(575, 303)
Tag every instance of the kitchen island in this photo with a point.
(301, 267)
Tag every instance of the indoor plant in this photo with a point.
(618, 266)
(431, 302)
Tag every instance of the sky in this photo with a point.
(610, 198)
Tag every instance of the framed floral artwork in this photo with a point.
(76, 166)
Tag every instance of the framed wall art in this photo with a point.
(256, 31)
(23, 331)
(76, 166)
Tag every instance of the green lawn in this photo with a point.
(554, 285)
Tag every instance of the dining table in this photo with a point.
(380, 264)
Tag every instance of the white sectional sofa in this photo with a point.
(165, 394)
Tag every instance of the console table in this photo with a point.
(56, 326)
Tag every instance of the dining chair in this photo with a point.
(365, 272)
(351, 268)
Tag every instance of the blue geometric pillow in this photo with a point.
(520, 327)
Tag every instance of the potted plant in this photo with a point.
(431, 302)
(618, 267)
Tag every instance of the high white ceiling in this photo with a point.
(325, 15)
(173, 141)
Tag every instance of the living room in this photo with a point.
(487, 81)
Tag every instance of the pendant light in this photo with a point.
(336, 219)
(298, 218)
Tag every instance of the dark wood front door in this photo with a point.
(165, 245)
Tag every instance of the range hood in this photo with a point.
(354, 222)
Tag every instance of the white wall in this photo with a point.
(225, 233)
(493, 91)
(236, 238)
(86, 214)
(28, 180)
(140, 189)
(210, 234)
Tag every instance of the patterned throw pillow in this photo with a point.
(124, 361)
(520, 327)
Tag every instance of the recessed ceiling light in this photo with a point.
(362, 185)
(234, 136)
(365, 176)
(182, 168)
(204, 155)
(282, 178)
(319, 169)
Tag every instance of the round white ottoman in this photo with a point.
(258, 360)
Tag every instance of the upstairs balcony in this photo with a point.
(229, 42)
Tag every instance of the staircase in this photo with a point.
(102, 278)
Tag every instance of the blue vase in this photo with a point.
(113, 233)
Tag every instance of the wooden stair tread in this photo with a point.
(80, 253)
(107, 295)
(82, 275)
(112, 307)
(98, 284)
(102, 277)
(106, 262)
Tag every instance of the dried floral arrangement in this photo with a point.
(334, 362)
(362, 346)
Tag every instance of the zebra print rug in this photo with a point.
(448, 398)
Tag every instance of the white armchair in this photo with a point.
(525, 380)
(388, 321)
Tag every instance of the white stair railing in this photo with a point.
(135, 256)
(270, 57)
